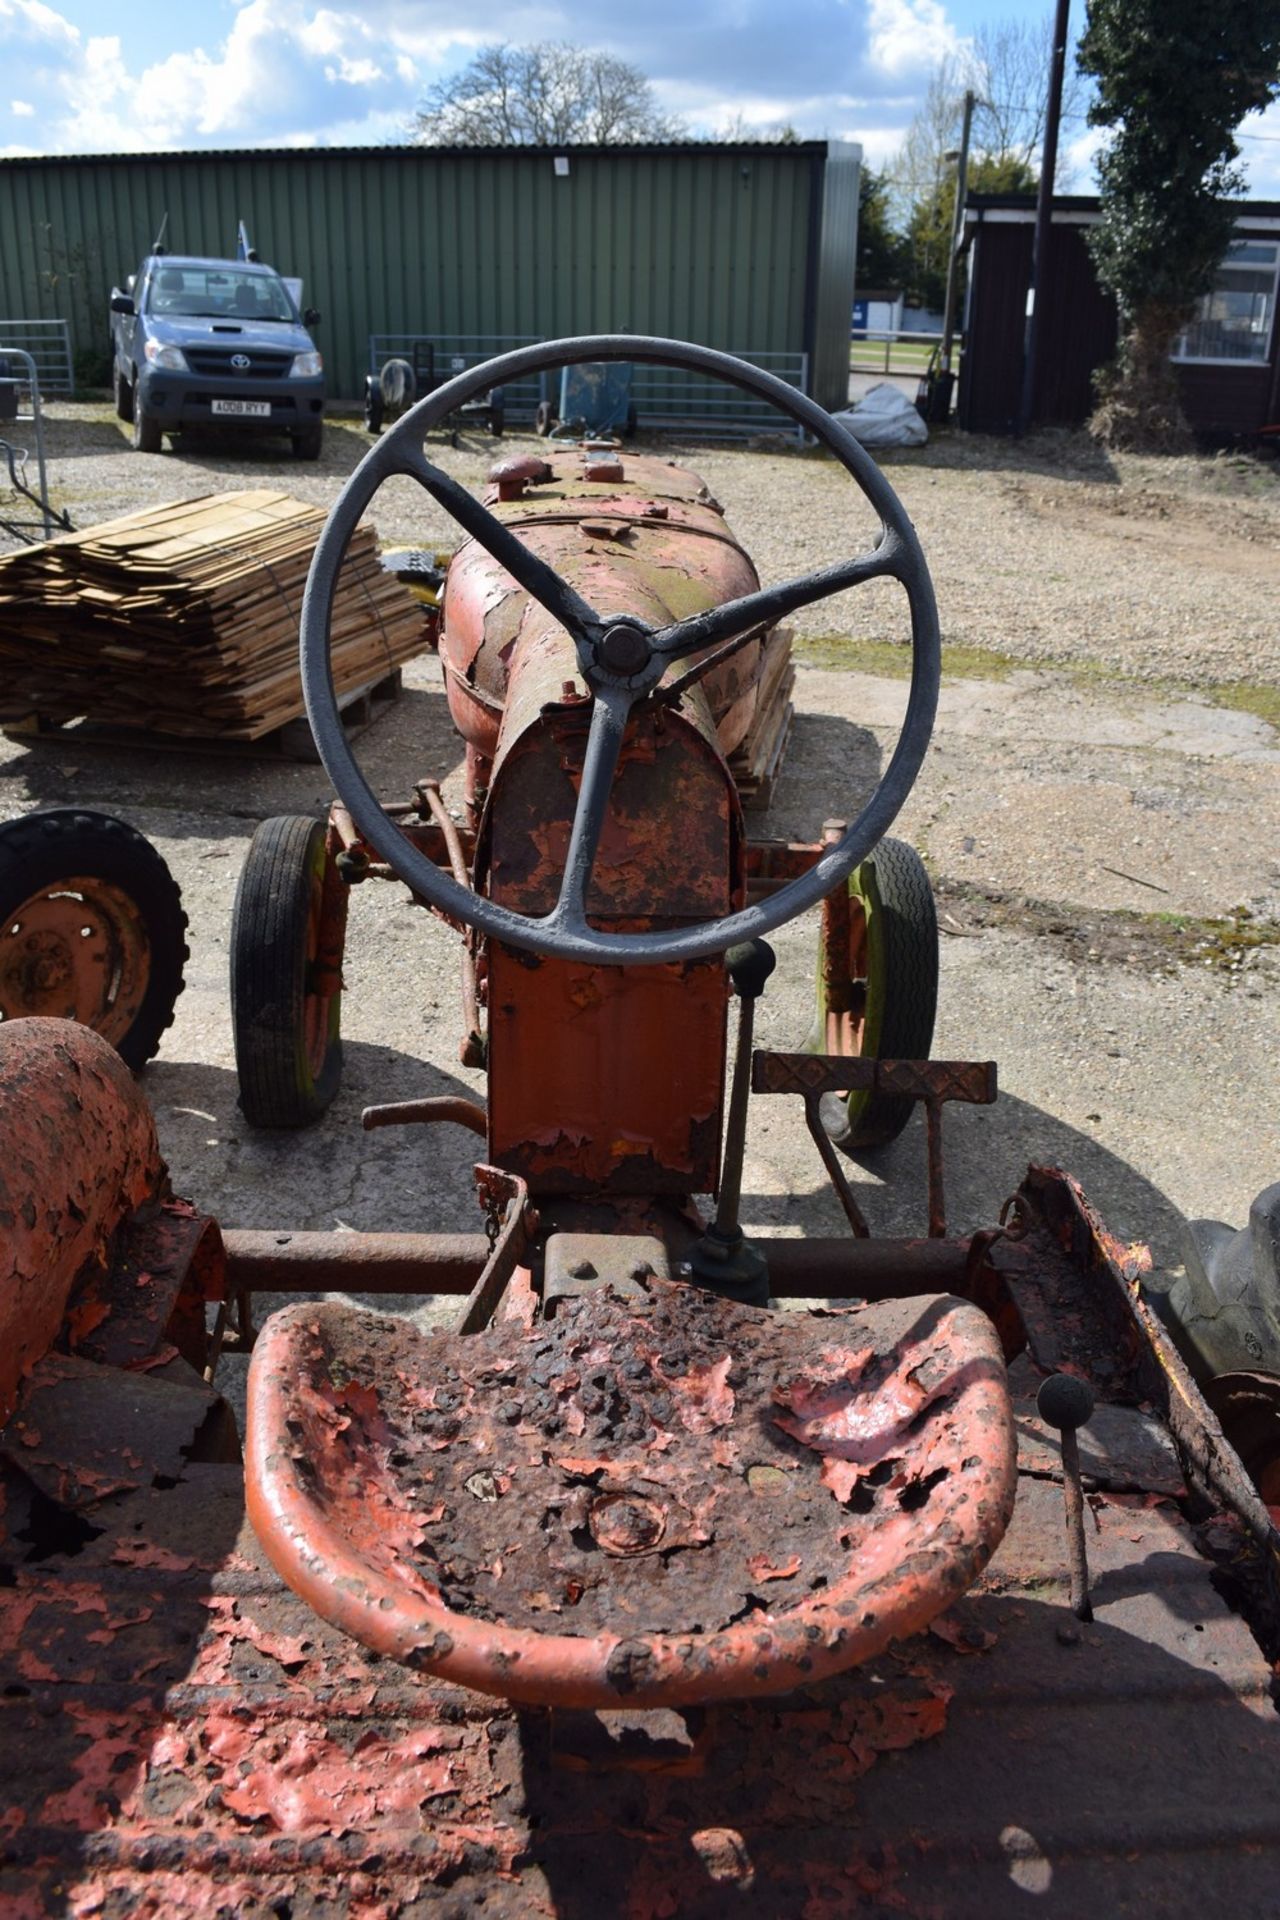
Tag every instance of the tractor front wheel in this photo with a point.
(288, 927)
(91, 928)
(884, 997)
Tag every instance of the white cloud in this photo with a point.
(285, 73)
(1259, 139)
(910, 36)
(30, 20)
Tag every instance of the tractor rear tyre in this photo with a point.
(285, 1013)
(893, 973)
(91, 928)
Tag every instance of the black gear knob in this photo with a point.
(1064, 1401)
(749, 966)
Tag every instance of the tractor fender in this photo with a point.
(78, 1156)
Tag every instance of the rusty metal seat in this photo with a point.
(647, 1501)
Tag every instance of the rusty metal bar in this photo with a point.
(510, 1248)
(937, 1188)
(426, 1263)
(456, 1108)
(428, 792)
(271, 1262)
(840, 1269)
(833, 943)
(835, 1172)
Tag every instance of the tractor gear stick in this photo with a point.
(1066, 1402)
(724, 1261)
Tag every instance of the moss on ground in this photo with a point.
(838, 653)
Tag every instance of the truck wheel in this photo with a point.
(91, 928)
(893, 991)
(124, 396)
(544, 419)
(374, 407)
(308, 442)
(146, 428)
(286, 1011)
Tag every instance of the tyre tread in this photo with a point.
(269, 921)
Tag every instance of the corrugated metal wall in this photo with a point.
(746, 247)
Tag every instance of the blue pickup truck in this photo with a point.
(215, 343)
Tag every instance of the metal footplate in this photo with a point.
(932, 1082)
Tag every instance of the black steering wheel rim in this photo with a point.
(567, 934)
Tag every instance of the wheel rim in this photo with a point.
(76, 951)
(845, 1028)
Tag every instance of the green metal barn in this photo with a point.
(749, 248)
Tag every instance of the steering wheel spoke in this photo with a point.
(771, 604)
(571, 611)
(600, 763)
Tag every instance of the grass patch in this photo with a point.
(1242, 696)
(841, 653)
(1149, 941)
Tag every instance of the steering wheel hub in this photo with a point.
(624, 649)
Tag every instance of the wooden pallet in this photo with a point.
(291, 741)
(183, 620)
(757, 762)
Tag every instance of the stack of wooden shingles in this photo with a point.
(183, 619)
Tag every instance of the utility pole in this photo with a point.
(1044, 208)
(957, 234)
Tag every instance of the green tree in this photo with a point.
(1174, 78)
(932, 220)
(547, 95)
(883, 260)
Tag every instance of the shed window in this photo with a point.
(1235, 320)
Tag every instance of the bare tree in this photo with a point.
(1009, 72)
(1007, 67)
(551, 94)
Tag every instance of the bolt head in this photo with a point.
(624, 649)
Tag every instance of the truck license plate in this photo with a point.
(257, 409)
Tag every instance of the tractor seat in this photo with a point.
(646, 1501)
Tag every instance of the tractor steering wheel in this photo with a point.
(621, 659)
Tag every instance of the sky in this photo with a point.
(83, 76)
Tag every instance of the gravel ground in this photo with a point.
(1133, 1015)
(1048, 551)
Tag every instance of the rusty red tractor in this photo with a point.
(622, 1485)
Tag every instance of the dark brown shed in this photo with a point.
(1230, 375)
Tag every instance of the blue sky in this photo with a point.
(83, 76)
